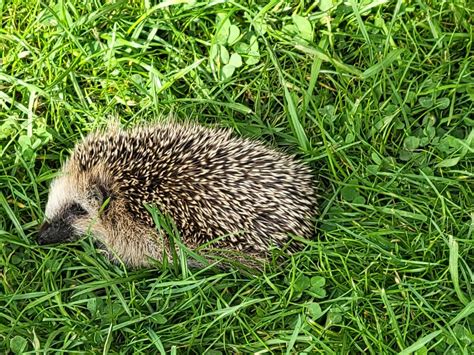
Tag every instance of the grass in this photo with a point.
(376, 96)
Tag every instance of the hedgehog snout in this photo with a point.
(60, 228)
(55, 232)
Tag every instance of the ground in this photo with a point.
(377, 96)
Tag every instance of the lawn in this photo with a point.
(376, 96)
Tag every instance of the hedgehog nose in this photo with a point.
(43, 233)
(56, 231)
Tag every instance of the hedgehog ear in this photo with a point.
(101, 192)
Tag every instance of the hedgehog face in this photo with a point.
(72, 209)
(83, 202)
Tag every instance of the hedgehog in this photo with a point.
(223, 193)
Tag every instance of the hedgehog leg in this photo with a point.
(106, 252)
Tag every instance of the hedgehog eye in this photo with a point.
(76, 209)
